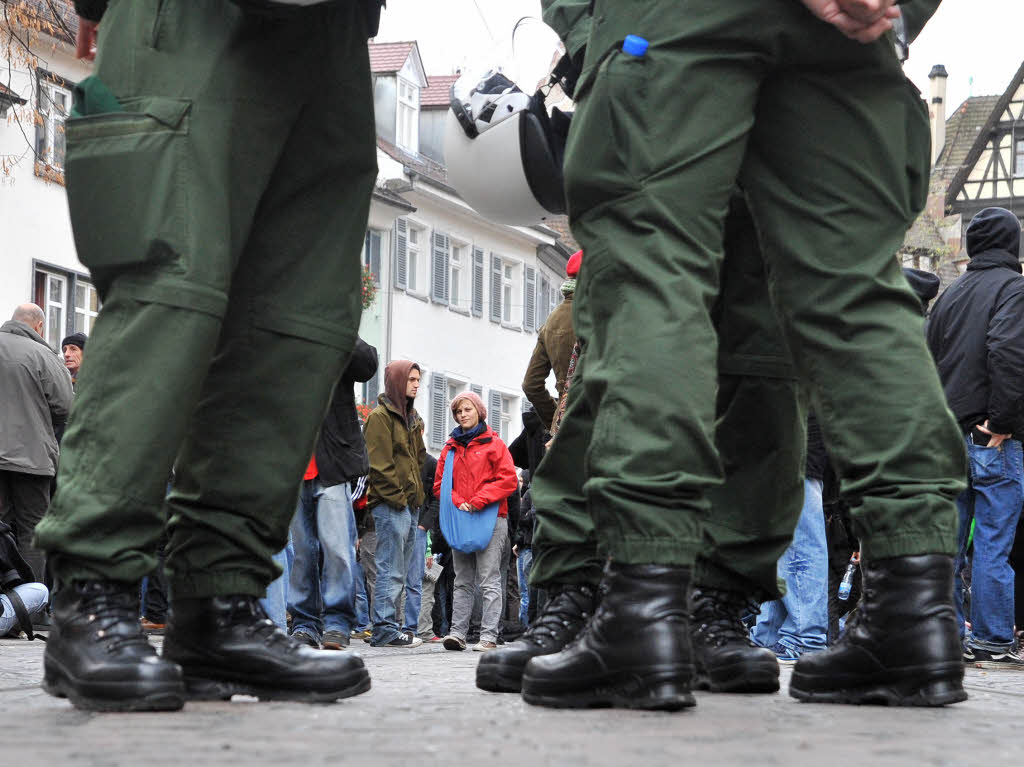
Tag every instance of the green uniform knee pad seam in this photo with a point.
(305, 327)
(179, 294)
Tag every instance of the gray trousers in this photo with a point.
(425, 628)
(483, 569)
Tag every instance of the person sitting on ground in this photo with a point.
(482, 474)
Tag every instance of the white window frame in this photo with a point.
(455, 386)
(374, 236)
(416, 259)
(52, 122)
(508, 406)
(461, 265)
(511, 293)
(85, 313)
(1018, 158)
(407, 116)
(58, 307)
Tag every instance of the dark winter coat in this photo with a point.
(430, 510)
(340, 450)
(528, 448)
(527, 518)
(483, 472)
(976, 329)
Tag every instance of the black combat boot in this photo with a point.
(558, 624)
(97, 654)
(633, 653)
(725, 658)
(228, 646)
(902, 648)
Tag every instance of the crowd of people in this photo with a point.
(730, 230)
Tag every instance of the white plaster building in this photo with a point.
(460, 295)
(37, 254)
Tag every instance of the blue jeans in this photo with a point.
(34, 595)
(275, 603)
(993, 497)
(362, 601)
(524, 563)
(396, 539)
(414, 582)
(323, 599)
(799, 621)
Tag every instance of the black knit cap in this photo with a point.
(75, 339)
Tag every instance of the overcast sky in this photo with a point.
(979, 39)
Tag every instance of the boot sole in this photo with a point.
(494, 677)
(204, 688)
(740, 678)
(650, 693)
(113, 696)
(912, 693)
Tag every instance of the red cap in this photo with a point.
(573, 267)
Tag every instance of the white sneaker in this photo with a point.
(484, 646)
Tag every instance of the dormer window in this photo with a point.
(407, 130)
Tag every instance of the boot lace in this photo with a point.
(248, 610)
(562, 615)
(718, 617)
(113, 614)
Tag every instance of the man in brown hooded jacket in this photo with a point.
(394, 441)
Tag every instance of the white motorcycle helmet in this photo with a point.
(504, 151)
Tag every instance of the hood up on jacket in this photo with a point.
(396, 380)
(993, 229)
(924, 284)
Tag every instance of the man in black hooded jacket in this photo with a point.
(976, 335)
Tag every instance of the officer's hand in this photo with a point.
(85, 40)
(861, 20)
(994, 440)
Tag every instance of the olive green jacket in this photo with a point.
(396, 453)
(552, 352)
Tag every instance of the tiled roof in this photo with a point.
(438, 91)
(924, 235)
(6, 94)
(57, 17)
(962, 129)
(417, 163)
(560, 225)
(389, 57)
(391, 197)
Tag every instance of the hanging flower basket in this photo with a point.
(369, 288)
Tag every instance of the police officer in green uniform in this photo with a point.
(219, 170)
(805, 106)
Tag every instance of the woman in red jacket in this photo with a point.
(482, 474)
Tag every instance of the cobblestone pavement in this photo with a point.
(424, 709)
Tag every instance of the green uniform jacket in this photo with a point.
(552, 352)
(397, 453)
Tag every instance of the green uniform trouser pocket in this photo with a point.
(134, 209)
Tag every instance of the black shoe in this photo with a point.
(97, 654)
(901, 648)
(558, 624)
(227, 646)
(1007, 660)
(725, 658)
(404, 640)
(633, 653)
(306, 638)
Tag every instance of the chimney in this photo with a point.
(937, 108)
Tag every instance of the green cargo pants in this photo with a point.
(830, 143)
(221, 215)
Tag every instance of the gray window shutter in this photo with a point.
(477, 389)
(401, 253)
(478, 282)
(373, 253)
(495, 288)
(440, 275)
(438, 406)
(529, 298)
(494, 411)
(543, 300)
